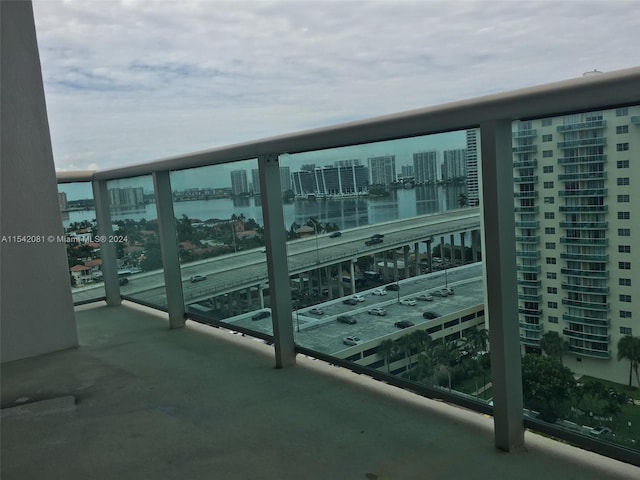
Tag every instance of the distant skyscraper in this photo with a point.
(285, 178)
(239, 184)
(382, 169)
(347, 163)
(425, 166)
(454, 164)
(331, 181)
(126, 197)
(62, 200)
(407, 171)
(255, 181)
(473, 153)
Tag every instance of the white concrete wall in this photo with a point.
(36, 308)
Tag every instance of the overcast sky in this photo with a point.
(135, 81)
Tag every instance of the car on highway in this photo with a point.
(425, 297)
(198, 278)
(316, 311)
(124, 281)
(430, 315)
(335, 235)
(346, 319)
(373, 241)
(381, 312)
(358, 298)
(260, 315)
(404, 324)
(393, 287)
(440, 293)
(379, 291)
(410, 302)
(351, 340)
(449, 290)
(601, 431)
(350, 301)
(377, 235)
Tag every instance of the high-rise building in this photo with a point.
(285, 178)
(454, 166)
(255, 181)
(472, 155)
(425, 166)
(574, 177)
(382, 169)
(62, 201)
(407, 171)
(331, 181)
(239, 184)
(126, 197)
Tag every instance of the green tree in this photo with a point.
(476, 340)
(554, 345)
(546, 385)
(446, 353)
(386, 350)
(629, 349)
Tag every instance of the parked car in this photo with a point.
(373, 241)
(197, 278)
(404, 324)
(358, 298)
(601, 431)
(316, 311)
(379, 291)
(425, 297)
(261, 315)
(449, 290)
(430, 315)
(410, 302)
(381, 312)
(346, 319)
(351, 340)
(440, 293)
(335, 235)
(393, 287)
(350, 301)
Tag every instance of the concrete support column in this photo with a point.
(396, 274)
(453, 250)
(500, 268)
(475, 240)
(429, 254)
(352, 274)
(107, 249)
(462, 248)
(169, 249)
(405, 252)
(277, 264)
(442, 249)
(261, 289)
(327, 272)
(416, 249)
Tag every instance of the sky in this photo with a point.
(133, 81)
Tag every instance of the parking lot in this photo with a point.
(324, 334)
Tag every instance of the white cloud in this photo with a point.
(139, 80)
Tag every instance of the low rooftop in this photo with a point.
(138, 400)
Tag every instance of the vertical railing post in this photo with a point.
(277, 262)
(107, 249)
(169, 249)
(500, 268)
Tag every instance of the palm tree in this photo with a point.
(629, 349)
(446, 353)
(386, 350)
(553, 345)
(476, 340)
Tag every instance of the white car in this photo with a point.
(316, 311)
(351, 340)
(408, 301)
(425, 297)
(381, 312)
(358, 298)
(379, 291)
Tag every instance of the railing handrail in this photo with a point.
(618, 88)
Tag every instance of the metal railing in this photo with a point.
(493, 114)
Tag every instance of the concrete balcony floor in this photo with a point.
(201, 403)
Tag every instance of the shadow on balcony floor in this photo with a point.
(201, 403)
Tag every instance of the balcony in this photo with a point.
(585, 225)
(604, 290)
(586, 159)
(530, 283)
(574, 127)
(533, 327)
(532, 132)
(526, 179)
(588, 352)
(586, 336)
(527, 194)
(528, 238)
(525, 149)
(601, 307)
(525, 164)
(573, 272)
(600, 175)
(523, 254)
(584, 241)
(584, 209)
(584, 142)
(527, 224)
(160, 396)
(585, 257)
(530, 311)
(584, 320)
(587, 192)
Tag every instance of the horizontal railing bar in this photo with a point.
(75, 176)
(607, 90)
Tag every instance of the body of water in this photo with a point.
(347, 213)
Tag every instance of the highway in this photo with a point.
(246, 269)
